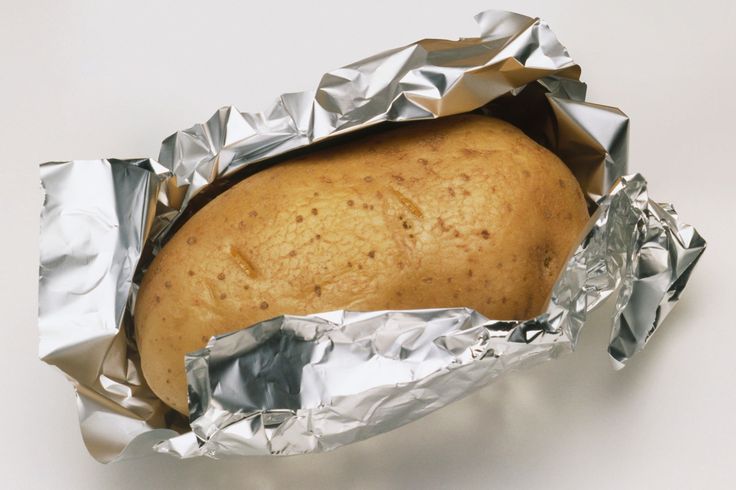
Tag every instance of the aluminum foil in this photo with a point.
(338, 377)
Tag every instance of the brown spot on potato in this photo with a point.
(318, 236)
(451, 191)
(292, 253)
(205, 339)
(427, 280)
(253, 214)
(372, 254)
(241, 225)
(191, 240)
(221, 276)
(526, 173)
(326, 179)
(350, 202)
(157, 298)
(368, 178)
(315, 212)
(191, 273)
(465, 176)
(299, 218)
(397, 178)
(422, 161)
(263, 305)
(167, 284)
(562, 183)
(318, 290)
(442, 225)
(470, 272)
(485, 234)
(223, 295)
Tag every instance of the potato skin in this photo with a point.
(459, 211)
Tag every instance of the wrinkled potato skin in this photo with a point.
(459, 211)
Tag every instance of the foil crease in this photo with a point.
(102, 221)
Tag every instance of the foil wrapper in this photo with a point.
(313, 383)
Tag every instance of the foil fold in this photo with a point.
(337, 377)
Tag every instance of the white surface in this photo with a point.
(89, 79)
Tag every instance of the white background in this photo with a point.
(90, 79)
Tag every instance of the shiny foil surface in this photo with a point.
(338, 377)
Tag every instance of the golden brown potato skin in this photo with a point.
(459, 211)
